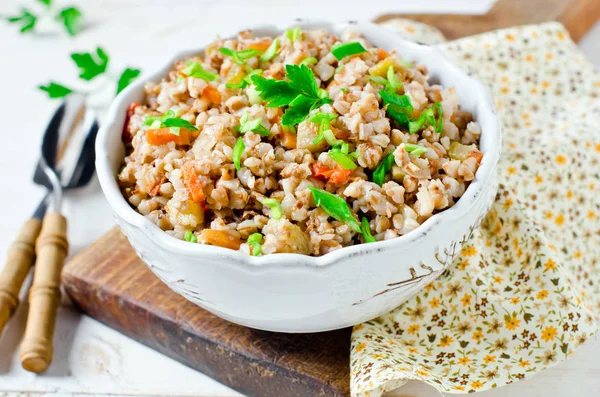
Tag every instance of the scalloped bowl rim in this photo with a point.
(288, 260)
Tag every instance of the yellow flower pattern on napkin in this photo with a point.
(520, 296)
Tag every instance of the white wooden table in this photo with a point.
(91, 359)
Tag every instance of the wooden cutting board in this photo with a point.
(110, 283)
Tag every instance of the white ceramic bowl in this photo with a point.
(298, 293)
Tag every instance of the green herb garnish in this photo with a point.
(301, 93)
(275, 206)
(91, 65)
(255, 241)
(56, 90)
(309, 61)
(247, 125)
(417, 150)
(26, 19)
(342, 50)
(383, 168)
(343, 159)
(293, 34)
(427, 117)
(324, 120)
(271, 51)
(239, 57)
(190, 237)
(71, 19)
(195, 69)
(398, 106)
(335, 206)
(238, 150)
(126, 78)
(366, 230)
(169, 120)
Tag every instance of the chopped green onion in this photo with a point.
(342, 50)
(194, 69)
(398, 106)
(254, 240)
(427, 117)
(309, 61)
(179, 79)
(344, 160)
(417, 150)
(271, 51)
(239, 57)
(241, 84)
(190, 237)
(293, 34)
(366, 231)
(255, 125)
(331, 139)
(378, 80)
(255, 72)
(324, 120)
(339, 69)
(383, 168)
(344, 90)
(275, 206)
(406, 64)
(181, 123)
(354, 155)
(394, 83)
(238, 150)
(345, 147)
(335, 206)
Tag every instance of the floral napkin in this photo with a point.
(525, 291)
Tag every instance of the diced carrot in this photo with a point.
(220, 238)
(193, 184)
(126, 136)
(156, 188)
(382, 54)
(288, 139)
(477, 155)
(340, 175)
(333, 175)
(162, 136)
(321, 172)
(260, 46)
(212, 94)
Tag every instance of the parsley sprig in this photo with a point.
(69, 17)
(300, 93)
(91, 65)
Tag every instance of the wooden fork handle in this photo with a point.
(21, 255)
(44, 296)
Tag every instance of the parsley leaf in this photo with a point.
(26, 19)
(55, 90)
(301, 93)
(71, 18)
(47, 3)
(302, 79)
(276, 92)
(91, 65)
(126, 78)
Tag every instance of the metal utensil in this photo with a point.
(66, 162)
